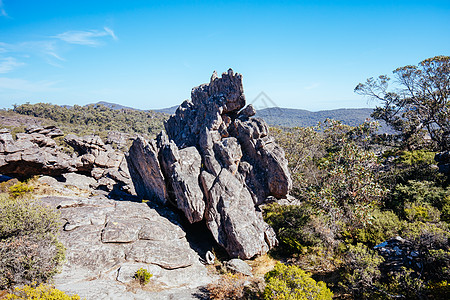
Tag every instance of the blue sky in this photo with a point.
(149, 54)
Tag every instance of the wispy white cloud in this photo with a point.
(15, 55)
(8, 64)
(111, 33)
(46, 50)
(26, 85)
(2, 10)
(87, 38)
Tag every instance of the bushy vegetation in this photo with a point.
(143, 276)
(232, 287)
(291, 283)
(96, 118)
(359, 188)
(40, 292)
(29, 249)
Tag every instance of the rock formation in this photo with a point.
(218, 164)
(35, 152)
(107, 241)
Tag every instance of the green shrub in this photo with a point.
(143, 276)
(414, 231)
(361, 267)
(432, 242)
(439, 290)
(424, 212)
(20, 189)
(297, 227)
(29, 249)
(445, 210)
(421, 193)
(41, 292)
(292, 283)
(4, 186)
(381, 226)
(416, 157)
(406, 284)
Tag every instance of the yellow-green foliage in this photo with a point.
(40, 292)
(416, 157)
(439, 290)
(143, 276)
(292, 283)
(4, 186)
(424, 212)
(381, 226)
(416, 230)
(20, 189)
(29, 249)
(361, 266)
(19, 217)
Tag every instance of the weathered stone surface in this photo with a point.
(82, 182)
(160, 230)
(50, 131)
(232, 218)
(110, 240)
(36, 153)
(166, 254)
(118, 138)
(92, 144)
(182, 171)
(84, 216)
(247, 112)
(32, 154)
(215, 152)
(121, 230)
(237, 265)
(146, 172)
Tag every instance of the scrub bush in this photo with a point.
(143, 276)
(41, 292)
(29, 249)
(292, 283)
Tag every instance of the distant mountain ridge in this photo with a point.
(287, 117)
(115, 106)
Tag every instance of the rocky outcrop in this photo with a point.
(399, 253)
(35, 152)
(443, 160)
(108, 241)
(146, 171)
(218, 164)
(31, 154)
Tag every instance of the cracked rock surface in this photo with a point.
(107, 241)
(218, 164)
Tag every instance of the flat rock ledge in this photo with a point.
(108, 241)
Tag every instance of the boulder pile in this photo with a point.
(35, 152)
(215, 163)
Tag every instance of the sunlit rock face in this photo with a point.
(218, 163)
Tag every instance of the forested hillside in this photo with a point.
(95, 118)
(286, 117)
